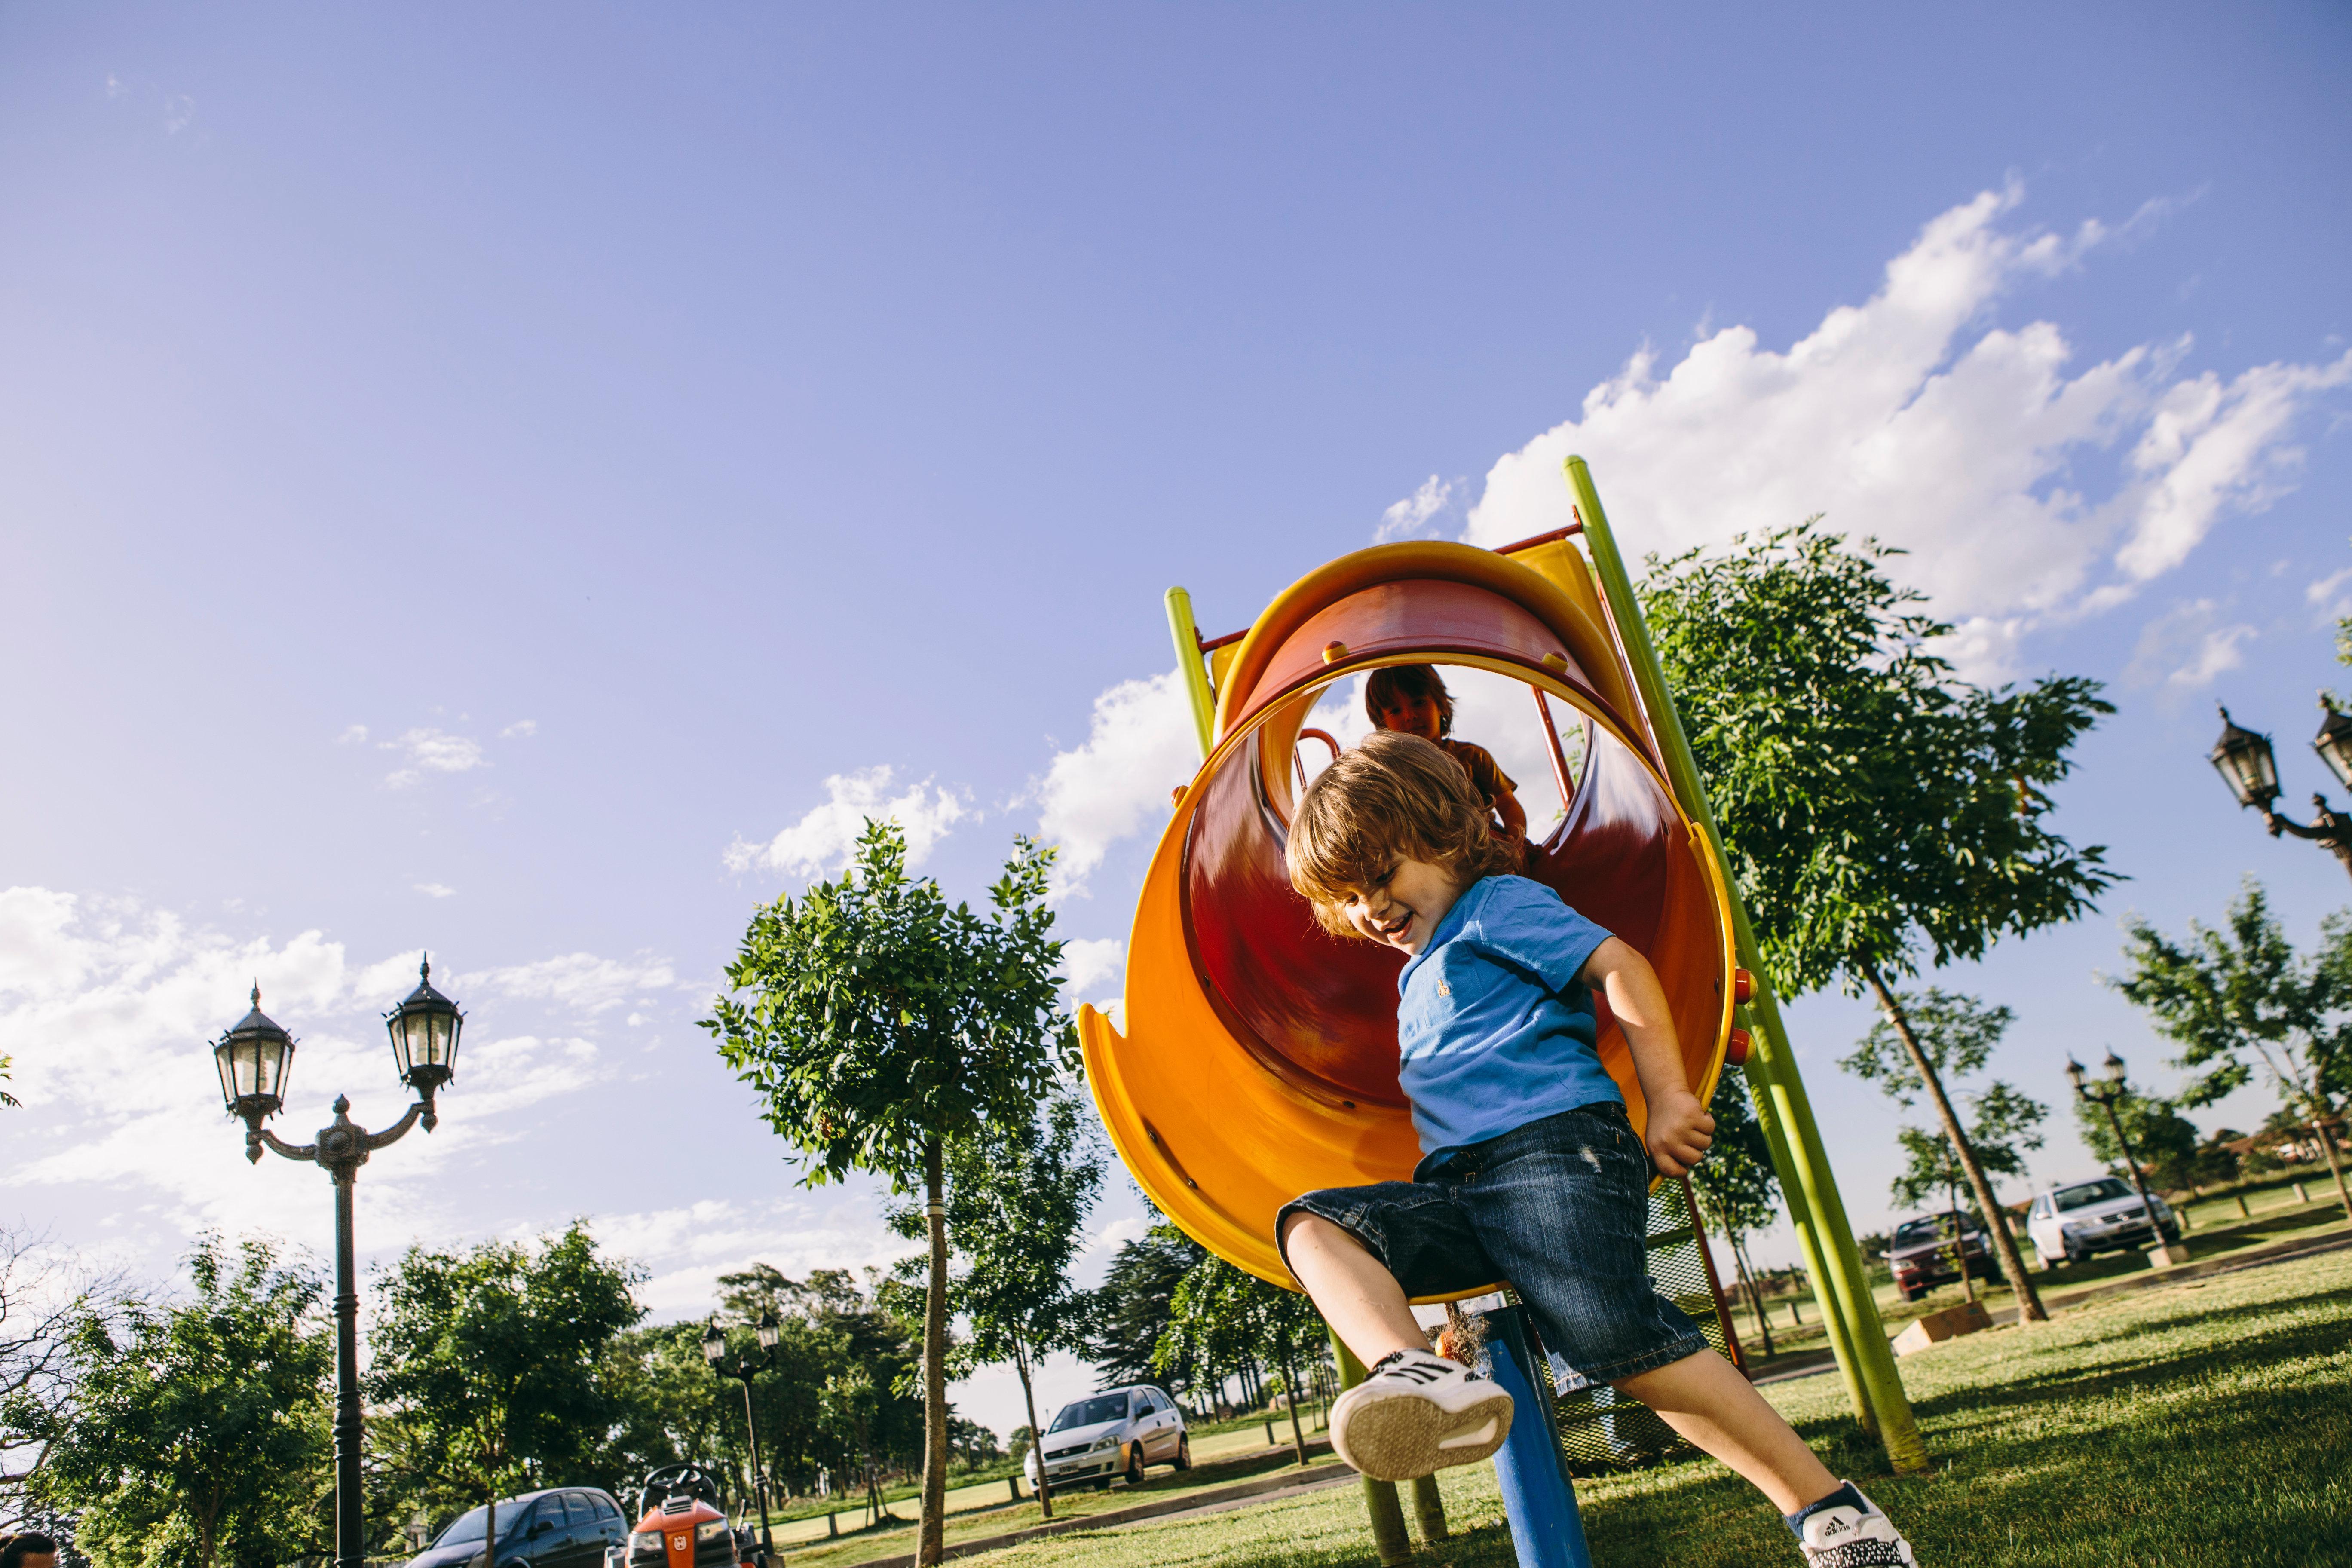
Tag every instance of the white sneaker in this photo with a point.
(1855, 1538)
(1415, 1413)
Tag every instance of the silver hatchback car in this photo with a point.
(1115, 1433)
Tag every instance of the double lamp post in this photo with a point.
(255, 1058)
(714, 1350)
(2108, 1096)
(2246, 764)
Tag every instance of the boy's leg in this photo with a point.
(1414, 1412)
(1705, 1398)
(1354, 1291)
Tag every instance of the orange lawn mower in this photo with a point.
(682, 1525)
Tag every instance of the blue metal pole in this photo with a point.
(1546, 1530)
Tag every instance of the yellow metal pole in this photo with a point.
(1190, 668)
(1873, 1359)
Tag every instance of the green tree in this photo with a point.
(1131, 1310)
(2235, 998)
(2164, 1142)
(487, 1364)
(1018, 1199)
(197, 1432)
(1223, 1316)
(10, 1100)
(1958, 1036)
(879, 1024)
(1876, 810)
(1737, 1188)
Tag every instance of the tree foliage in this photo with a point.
(1872, 806)
(2241, 999)
(197, 1432)
(1221, 1317)
(1133, 1307)
(487, 1365)
(881, 1025)
(1876, 810)
(2165, 1142)
(1958, 1034)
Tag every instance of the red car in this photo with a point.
(1921, 1252)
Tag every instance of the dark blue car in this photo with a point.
(564, 1527)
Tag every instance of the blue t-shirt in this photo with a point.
(1494, 1029)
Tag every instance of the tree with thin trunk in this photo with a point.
(1876, 810)
(1958, 1035)
(1018, 1199)
(878, 1025)
(2241, 996)
(1736, 1189)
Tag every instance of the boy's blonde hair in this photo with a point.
(1395, 797)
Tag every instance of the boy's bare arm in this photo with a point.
(1680, 1128)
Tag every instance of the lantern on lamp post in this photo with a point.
(255, 1058)
(2247, 764)
(714, 1350)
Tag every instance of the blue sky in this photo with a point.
(505, 482)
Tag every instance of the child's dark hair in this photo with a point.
(1392, 681)
(1393, 797)
(32, 1543)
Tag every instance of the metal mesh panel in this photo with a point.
(1601, 1430)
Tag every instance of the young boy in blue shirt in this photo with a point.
(1531, 1170)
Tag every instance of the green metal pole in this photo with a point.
(1380, 1497)
(1817, 1274)
(1873, 1359)
(1190, 669)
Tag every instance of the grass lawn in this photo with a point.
(2204, 1425)
(1253, 1461)
(2215, 1230)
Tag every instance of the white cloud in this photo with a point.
(354, 736)
(2185, 648)
(582, 982)
(114, 88)
(432, 750)
(825, 837)
(179, 112)
(106, 1005)
(2328, 597)
(435, 889)
(1091, 963)
(1904, 418)
(1410, 517)
(1141, 745)
(520, 727)
(687, 1247)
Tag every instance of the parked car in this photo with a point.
(1920, 1252)
(2072, 1223)
(562, 1527)
(1115, 1433)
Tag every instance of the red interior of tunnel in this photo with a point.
(1318, 1011)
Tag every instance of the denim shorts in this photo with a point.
(1560, 1209)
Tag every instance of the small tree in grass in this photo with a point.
(1222, 1315)
(881, 1024)
(1736, 1185)
(197, 1432)
(1018, 1199)
(1956, 1034)
(1871, 805)
(2164, 1142)
(2239, 998)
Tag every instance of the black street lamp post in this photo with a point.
(714, 1350)
(254, 1058)
(2107, 1098)
(2247, 766)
